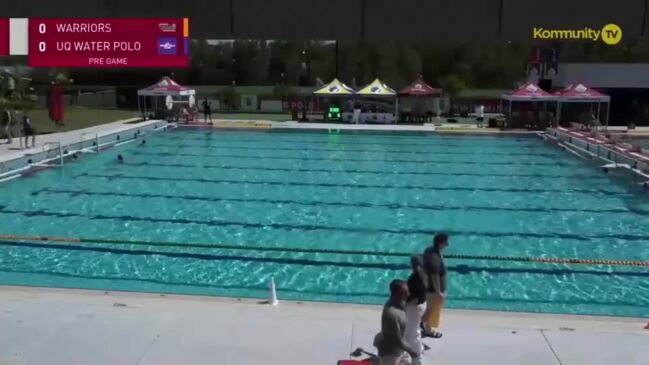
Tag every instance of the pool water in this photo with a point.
(504, 196)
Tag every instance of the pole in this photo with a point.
(138, 106)
(599, 119)
(396, 110)
(97, 141)
(608, 114)
(599, 107)
(509, 116)
(336, 60)
(61, 153)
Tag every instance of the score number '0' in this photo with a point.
(41, 30)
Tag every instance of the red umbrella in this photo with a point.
(56, 103)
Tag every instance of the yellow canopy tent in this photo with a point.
(378, 89)
(333, 88)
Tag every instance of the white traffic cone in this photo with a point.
(272, 300)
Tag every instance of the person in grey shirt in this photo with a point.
(391, 342)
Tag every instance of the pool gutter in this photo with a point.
(606, 153)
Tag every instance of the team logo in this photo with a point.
(167, 27)
(531, 88)
(167, 46)
(580, 89)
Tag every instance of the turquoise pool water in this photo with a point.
(511, 196)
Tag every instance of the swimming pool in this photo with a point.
(512, 196)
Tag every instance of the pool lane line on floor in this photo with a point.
(357, 171)
(75, 193)
(332, 141)
(461, 269)
(543, 260)
(122, 176)
(314, 227)
(430, 152)
(336, 159)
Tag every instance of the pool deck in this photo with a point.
(56, 326)
(423, 128)
(13, 150)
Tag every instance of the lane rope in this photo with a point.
(544, 260)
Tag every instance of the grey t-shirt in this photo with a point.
(393, 326)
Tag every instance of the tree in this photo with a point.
(452, 84)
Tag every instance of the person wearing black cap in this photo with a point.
(435, 281)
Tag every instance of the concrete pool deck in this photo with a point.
(60, 326)
(13, 150)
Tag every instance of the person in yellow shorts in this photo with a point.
(434, 276)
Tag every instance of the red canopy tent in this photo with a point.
(528, 92)
(170, 91)
(420, 89)
(579, 93)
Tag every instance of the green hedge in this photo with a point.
(17, 104)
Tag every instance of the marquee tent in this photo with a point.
(164, 92)
(579, 93)
(528, 92)
(420, 97)
(335, 88)
(420, 88)
(377, 89)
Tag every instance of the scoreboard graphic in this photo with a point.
(96, 42)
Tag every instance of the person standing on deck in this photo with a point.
(415, 308)
(7, 123)
(391, 341)
(28, 131)
(207, 109)
(435, 280)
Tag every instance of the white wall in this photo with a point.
(604, 75)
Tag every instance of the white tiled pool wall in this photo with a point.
(604, 152)
(106, 141)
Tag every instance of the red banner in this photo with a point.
(299, 104)
(4, 36)
(108, 42)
